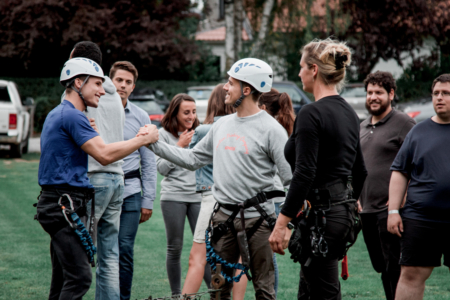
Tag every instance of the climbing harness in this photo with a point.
(332, 194)
(75, 223)
(214, 234)
(213, 259)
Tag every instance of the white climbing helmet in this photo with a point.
(79, 66)
(253, 71)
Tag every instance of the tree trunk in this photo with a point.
(238, 22)
(229, 37)
(263, 29)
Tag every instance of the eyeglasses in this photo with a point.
(445, 94)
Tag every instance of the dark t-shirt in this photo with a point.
(380, 143)
(63, 163)
(425, 158)
(323, 147)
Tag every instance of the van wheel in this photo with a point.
(16, 151)
(25, 147)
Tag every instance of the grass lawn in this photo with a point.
(25, 268)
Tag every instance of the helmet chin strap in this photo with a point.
(241, 98)
(79, 91)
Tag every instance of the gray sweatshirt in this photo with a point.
(110, 119)
(178, 184)
(245, 153)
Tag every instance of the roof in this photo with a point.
(217, 34)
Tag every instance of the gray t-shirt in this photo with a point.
(178, 184)
(245, 152)
(380, 143)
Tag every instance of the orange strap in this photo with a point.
(344, 272)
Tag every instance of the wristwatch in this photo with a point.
(290, 226)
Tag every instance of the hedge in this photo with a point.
(47, 92)
(414, 84)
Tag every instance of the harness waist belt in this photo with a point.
(75, 191)
(258, 199)
(333, 191)
(133, 174)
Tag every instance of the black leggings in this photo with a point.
(320, 280)
(174, 214)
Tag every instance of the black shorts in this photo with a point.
(423, 243)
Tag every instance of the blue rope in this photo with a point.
(85, 238)
(213, 258)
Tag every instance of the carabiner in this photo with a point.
(71, 224)
(323, 246)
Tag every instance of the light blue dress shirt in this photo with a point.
(135, 118)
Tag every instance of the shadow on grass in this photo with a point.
(4, 154)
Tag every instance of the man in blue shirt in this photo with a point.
(136, 208)
(107, 180)
(67, 139)
(424, 224)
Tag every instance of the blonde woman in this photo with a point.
(323, 151)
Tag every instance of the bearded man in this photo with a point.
(381, 135)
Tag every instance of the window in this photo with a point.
(148, 106)
(200, 94)
(355, 92)
(4, 95)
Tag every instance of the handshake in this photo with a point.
(149, 133)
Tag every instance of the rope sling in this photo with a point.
(79, 228)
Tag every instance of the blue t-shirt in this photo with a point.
(425, 158)
(63, 163)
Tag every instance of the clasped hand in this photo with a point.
(150, 132)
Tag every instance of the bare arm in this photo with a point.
(397, 190)
(109, 153)
(277, 237)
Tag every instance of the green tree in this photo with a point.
(36, 36)
(388, 28)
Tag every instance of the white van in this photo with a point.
(15, 119)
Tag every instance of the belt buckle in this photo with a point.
(261, 197)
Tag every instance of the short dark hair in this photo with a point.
(384, 79)
(89, 50)
(123, 65)
(255, 93)
(441, 78)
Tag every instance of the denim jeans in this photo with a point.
(108, 204)
(129, 222)
(275, 265)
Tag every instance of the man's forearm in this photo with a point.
(179, 156)
(119, 150)
(109, 153)
(397, 189)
